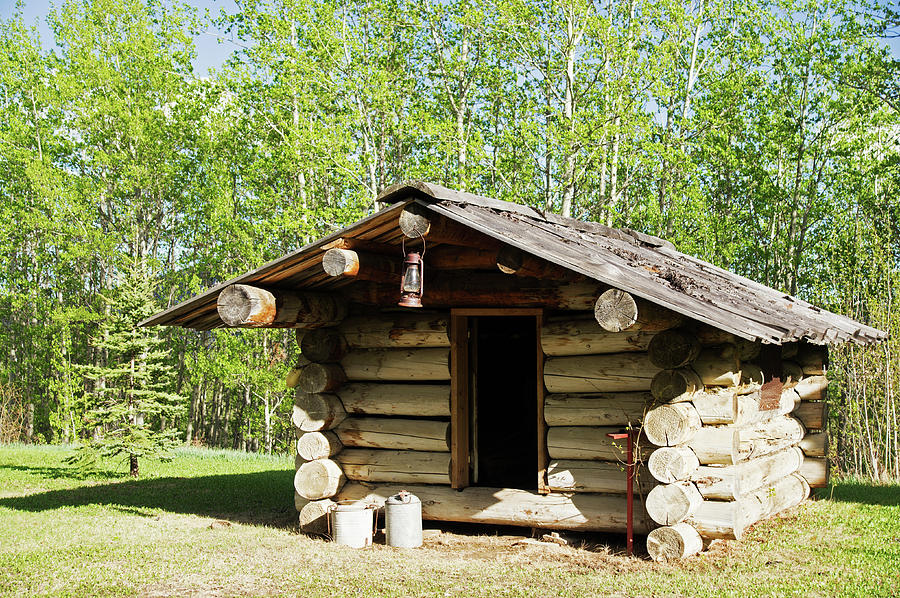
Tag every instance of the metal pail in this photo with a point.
(403, 521)
(352, 524)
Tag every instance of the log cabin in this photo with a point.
(495, 360)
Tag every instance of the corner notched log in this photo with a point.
(314, 516)
(319, 411)
(511, 260)
(672, 424)
(246, 306)
(318, 445)
(671, 464)
(675, 385)
(507, 506)
(727, 445)
(812, 414)
(739, 406)
(320, 377)
(665, 544)
(616, 310)
(322, 345)
(719, 366)
(752, 373)
(729, 519)
(671, 349)
(361, 265)
(815, 444)
(319, 479)
(812, 359)
(731, 482)
(815, 471)
(668, 504)
(813, 388)
(299, 501)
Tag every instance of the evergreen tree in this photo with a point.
(134, 403)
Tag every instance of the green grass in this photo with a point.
(105, 534)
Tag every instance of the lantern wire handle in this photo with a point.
(403, 246)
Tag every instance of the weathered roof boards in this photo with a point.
(538, 337)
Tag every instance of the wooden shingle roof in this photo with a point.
(643, 265)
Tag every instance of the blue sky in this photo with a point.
(211, 49)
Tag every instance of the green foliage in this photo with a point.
(761, 136)
(134, 402)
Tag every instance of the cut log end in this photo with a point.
(670, 425)
(671, 464)
(340, 262)
(244, 305)
(319, 479)
(323, 345)
(314, 516)
(615, 310)
(509, 259)
(671, 385)
(672, 543)
(671, 349)
(318, 445)
(668, 504)
(321, 377)
(415, 221)
(317, 411)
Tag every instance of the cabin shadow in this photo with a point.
(861, 492)
(597, 542)
(261, 498)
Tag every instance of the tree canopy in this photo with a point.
(761, 136)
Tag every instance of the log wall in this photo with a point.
(740, 435)
(372, 405)
(720, 446)
(598, 383)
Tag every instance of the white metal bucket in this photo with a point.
(352, 524)
(403, 521)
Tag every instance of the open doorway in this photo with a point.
(504, 407)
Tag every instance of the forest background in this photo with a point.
(761, 135)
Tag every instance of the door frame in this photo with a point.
(460, 433)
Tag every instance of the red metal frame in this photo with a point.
(628, 435)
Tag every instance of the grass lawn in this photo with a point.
(222, 523)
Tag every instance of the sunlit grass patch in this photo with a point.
(160, 535)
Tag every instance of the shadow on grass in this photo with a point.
(261, 498)
(868, 493)
(71, 473)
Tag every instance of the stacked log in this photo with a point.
(372, 405)
(809, 364)
(597, 373)
(732, 439)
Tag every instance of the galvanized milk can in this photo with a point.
(403, 521)
(352, 524)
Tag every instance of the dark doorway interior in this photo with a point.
(504, 397)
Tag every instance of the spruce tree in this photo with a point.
(134, 399)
